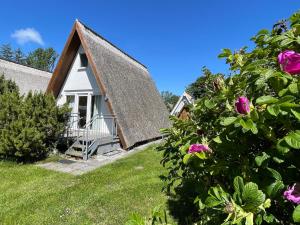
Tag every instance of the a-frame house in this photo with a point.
(111, 94)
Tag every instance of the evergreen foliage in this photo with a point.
(169, 98)
(19, 56)
(6, 52)
(41, 58)
(29, 125)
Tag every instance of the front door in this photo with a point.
(82, 110)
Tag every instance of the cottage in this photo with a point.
(113, 97)
(27, 78)
(181, 107)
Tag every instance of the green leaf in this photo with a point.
(266, 100)
(217, 140)
(296, 214)
(252, 197)
(135, 219)
(267, 203)
(249, 125)
(293, 139)
(296, 114)
(254, 129)
(268, 218)
(282, 146)
(282, 92)
(258, 219)
(275, 188)
(278, 38)
(226, 52)
(254, 115)
(209, 104)
(212, 201)
(183, 149)
(186, 158)
(286, 42)
(261, 159)
(287, 98)
(275, 174)
(200, 155)
(228, 120)
(288, 105)
(249, 219)
(238, 185)
(201, 204)
(293, 88)
(273, 110)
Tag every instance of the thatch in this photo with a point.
(26, 78)
(127, 84)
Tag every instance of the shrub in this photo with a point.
(29, 125)
(251, 128)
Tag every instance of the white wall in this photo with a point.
(78, 80)
(81, 81)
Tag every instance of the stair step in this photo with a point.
(74, 153)
(78, 145)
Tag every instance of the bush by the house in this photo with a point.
(237, 160)
(29, 125)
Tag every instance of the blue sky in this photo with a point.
(173, 38)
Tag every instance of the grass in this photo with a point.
(108, 195)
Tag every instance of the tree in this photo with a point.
(43, 59)
(6, 51)
(207, 82)
(30, 126)
(169, 98)
(19, 56)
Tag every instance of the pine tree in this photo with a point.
(19, 56)
(42, 59)
(6, 51)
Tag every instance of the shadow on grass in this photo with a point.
(181, 204)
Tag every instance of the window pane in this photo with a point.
(83, 60)
(82, 110)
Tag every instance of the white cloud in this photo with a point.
(26, 35)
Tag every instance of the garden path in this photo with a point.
(78, 167)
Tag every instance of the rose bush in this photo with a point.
(239, 154)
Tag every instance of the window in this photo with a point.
(83, 60)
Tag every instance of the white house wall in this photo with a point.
(82, 81)
(78, 80)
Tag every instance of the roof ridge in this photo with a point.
(20, 64)
(113, 45)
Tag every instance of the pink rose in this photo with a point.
(198, 148)
(242, 105)
(292, 194)
(289, 61)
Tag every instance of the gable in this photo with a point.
(129, 90)
(80, 78)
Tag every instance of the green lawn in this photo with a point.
(108, 195)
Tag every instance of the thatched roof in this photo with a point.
(131, 92)
(27, 78)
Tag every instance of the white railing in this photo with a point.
(98, 127)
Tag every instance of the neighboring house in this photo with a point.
(180, 109)
(113, 97)
(27, 78)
